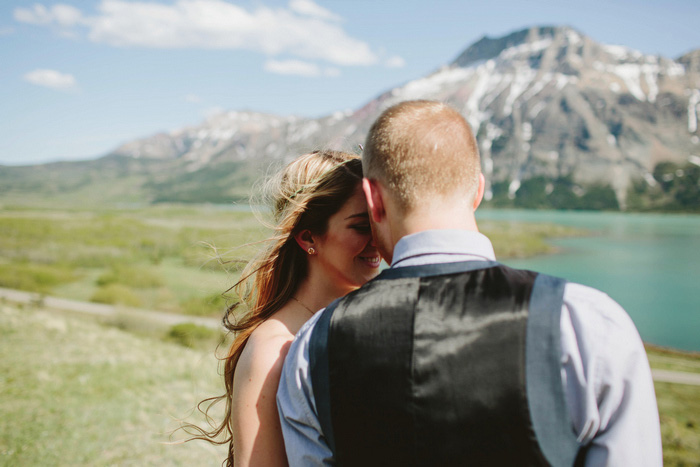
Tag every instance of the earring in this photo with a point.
(311, 251)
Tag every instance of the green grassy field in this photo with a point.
(76, 393)
(679, 407)
(80, 392)
(164, 257)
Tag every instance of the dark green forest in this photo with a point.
(674, 188)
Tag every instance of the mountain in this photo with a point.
(556, 115)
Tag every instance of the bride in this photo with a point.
(321, 249)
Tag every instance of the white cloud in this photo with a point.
(51, 79)
(6, 31)
(307, 7)
(63, 15)
(193, 99)
(299, 68)
(35, 15)
(66, 15)
(303, 30)
(395, 62)
(292, 67)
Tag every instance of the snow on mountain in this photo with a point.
(544, 101)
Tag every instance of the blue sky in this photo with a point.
(80, 77)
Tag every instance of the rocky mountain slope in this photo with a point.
(546, 103)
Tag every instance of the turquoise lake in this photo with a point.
(649, 263)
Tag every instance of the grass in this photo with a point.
(41, 278)
(163, 257)
(679, 410)
(671, 359)
(522, 239)
(679, 407)
(157, 257)
(59, 374)
(77, 392)
(192, 335)
(115, 294)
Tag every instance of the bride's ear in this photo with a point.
(305, 240)
(375, 201)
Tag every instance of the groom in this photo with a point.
(449, 357)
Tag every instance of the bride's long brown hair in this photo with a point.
(303, 196)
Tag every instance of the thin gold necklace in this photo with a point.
(306, 307)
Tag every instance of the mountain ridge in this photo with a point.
(545, 101)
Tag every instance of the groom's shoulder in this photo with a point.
(595, 303)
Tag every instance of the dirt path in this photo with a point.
(98, 309)
(17, 296)
(668, 376)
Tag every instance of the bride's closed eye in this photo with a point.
(363, 228)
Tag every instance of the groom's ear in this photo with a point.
(375, 200)
(479, 191)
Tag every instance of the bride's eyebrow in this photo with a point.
(359, 214)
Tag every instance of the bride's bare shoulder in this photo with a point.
(267, 346)
(256, 432)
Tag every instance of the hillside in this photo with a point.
(562, 121)
(79, 393)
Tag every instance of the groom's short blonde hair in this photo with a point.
(422, 149)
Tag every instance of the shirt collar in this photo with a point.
(437, 245)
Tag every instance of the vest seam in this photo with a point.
(412, 375)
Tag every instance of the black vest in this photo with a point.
(447, 364)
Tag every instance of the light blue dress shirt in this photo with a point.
(604, 369)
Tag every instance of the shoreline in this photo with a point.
(671, 350)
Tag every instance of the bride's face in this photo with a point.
(346, 252)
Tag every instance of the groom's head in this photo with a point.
(418, 156)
